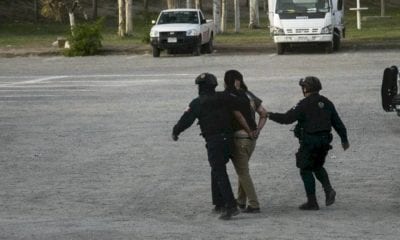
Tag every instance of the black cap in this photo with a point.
(207, 79)
(312, 84)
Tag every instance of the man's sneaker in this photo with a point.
(330, 197)
(218, 209)
(251, 210)
(229, 213)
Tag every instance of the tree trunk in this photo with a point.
(217, 14)
(224, 16)
(121, 20)
(188, 3)
(198, 4)
(237, 16)
(254, 14)
(146, 10)
(382, 8)
(35, 10)
(94, 9)
(171, 4)
(128, 17)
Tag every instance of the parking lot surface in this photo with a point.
(86, 153)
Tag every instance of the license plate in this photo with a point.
(172, 40)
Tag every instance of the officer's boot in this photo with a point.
(330, 197)
(229, 212)
(311, 203)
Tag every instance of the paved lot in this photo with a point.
(86, 151)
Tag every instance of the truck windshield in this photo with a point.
(302, 6)
(179, 17)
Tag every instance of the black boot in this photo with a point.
(311, 203)
(330, 197)
(229, 212)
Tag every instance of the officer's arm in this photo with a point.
(187, 119)
(286, 118)
(339, 127)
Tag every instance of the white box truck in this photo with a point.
(306, 21)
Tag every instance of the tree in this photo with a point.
(237, 15)
(121, 18)
(58, 9)
(189, 3)
(254, 14)
(171, 4)
(128, 17)
(217, 14)
(198, 4)
(94, 9)
(224, 16)
(35, 10)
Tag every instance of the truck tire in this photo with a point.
(336, 41)
(389, 88)
(156, 51)
(280, 48)
(209, 46)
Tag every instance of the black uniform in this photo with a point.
(315, 116)
(214, 113)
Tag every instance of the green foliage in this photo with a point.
(54, 9)
(85, 39)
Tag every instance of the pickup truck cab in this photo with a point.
(181, 29)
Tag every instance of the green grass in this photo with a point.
(25, 35)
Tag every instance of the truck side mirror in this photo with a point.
(203, 21)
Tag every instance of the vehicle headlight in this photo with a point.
(278, 31)
(154, 33)
(398, 107)
(327, 29)
(192, 32)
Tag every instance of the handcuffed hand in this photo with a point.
(174, 137)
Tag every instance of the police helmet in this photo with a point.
(207, 79)
(312, 84)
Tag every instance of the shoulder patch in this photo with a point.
(321, 104)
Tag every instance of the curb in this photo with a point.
(257, 48)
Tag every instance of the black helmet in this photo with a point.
(207, 79)
(312, 84)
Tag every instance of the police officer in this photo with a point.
(214, 111)
(315, 115)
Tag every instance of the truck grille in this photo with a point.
(172, 34)
(302, 30)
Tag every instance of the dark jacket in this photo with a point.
(214, 114)
(315, 114)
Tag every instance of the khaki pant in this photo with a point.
(243, 149)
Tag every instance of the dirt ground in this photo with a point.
(86, 150)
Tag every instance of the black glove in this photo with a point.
(174, 137)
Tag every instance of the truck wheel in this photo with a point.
(280, 48)
(389, 88)
(210, 46)
(329, 47)
(156, 51)
(197, 50)
(336, 41)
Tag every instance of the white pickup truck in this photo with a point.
(179, 29)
